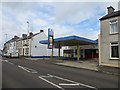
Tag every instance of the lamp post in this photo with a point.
(28, 27)
(27, 40)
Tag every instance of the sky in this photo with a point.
(65, 18)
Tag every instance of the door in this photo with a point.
(23, 51)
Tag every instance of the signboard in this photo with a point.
(50, 38)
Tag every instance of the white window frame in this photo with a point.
(113, 22)
(110, 50)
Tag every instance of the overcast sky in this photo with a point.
(66, 18)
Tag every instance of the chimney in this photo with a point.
(110, 9)
(16, 37)
(30, 34)
(41, 31)
(24, 35)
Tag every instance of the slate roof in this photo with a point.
(114, 14)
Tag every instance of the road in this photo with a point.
(21, 73)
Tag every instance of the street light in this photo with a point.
(28, 27)
(27, 38)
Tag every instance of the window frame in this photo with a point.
(113, 22)
(111, 50)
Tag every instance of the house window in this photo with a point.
(114, 50)
(113, 26)
(27, 51)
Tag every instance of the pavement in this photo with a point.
(85, 64)
(90, 64)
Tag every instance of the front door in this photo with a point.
(23, 51)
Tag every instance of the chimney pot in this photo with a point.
(30, 34)
(24, 35)
(41, 30)
(16, 37)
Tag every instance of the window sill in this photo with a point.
(113, 33)
(114, 59)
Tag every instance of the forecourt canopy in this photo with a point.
(70, 41)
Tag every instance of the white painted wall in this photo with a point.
(38, 49)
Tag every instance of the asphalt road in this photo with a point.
(20, 73)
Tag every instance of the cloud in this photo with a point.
(40, 22)
(66, 18)
(74, 12)
(59, 30)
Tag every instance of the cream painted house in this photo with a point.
(109, 39)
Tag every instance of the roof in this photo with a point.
(29, 37)
(114, 14)
(70, 41)
(12, 40)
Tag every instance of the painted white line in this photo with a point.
(32, 70)
(23, 68)
(4, 60)
(27, 69)
(51, 83)
(10, 63)
(65, 84)
(46, 76)
(7, 61)
(74, 82)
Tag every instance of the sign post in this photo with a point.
(50, 40)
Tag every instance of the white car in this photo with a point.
(14, 54)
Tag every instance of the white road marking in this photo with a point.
(27, 69)
(10, 63)
(32, 70)
(46, 76)
(23, 68)
(51, 83)
(4, 60)
(65, 84)
(7, 61)
(73, 82)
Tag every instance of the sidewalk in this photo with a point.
(86, 64)
(89, 64)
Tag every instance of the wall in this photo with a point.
(19, 47)
(119, 33)
(106, 38)
(38, 49)
(41, 50)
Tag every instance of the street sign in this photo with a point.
(50, 38)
